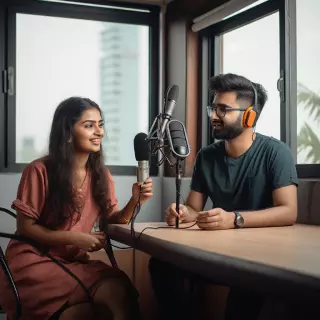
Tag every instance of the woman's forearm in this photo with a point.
(124, 215)
(31, 230)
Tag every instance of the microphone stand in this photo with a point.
(178, 185)
(180, 155)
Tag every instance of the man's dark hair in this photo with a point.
(241, 85)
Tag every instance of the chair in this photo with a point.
(7, 272)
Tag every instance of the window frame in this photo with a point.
(288, 69)
(151, 18)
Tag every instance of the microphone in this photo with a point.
(141, 151)
(178, 139)
(180, 149)
(169, 106)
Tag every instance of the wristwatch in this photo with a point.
(238, 221)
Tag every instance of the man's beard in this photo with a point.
(228, 132)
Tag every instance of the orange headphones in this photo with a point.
(250, 115)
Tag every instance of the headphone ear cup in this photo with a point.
(249, 117)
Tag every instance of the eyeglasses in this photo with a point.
(221, 109)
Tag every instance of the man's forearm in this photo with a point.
(272, 217)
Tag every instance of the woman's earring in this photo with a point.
(70, 140)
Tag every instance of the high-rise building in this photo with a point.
(120, 84)
(28, 152)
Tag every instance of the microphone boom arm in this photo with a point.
(151, 132)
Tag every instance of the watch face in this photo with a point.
(239, 221)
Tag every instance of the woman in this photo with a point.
(60, 197)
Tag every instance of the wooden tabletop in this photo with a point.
(285, 257)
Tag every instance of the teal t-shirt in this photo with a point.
(244, 183)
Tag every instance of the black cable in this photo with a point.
(81, 284)
(135, 214)
(48, 255)
(109, 245)
(58, 263)
(109, 251)
(122, 248)
(107, 242)
(168, 227)
(136, 211)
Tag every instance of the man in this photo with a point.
(250, 178)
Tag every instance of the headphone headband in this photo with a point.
(250, 115)
(255, 97)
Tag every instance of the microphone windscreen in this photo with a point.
(179, 141)
(173, 93)
(141, 148)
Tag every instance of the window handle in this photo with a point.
(8, 81)
(4, 81)
(280, 87)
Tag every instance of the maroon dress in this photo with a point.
(43, 286)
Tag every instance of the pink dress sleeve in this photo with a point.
(32, 190)
(112, 198)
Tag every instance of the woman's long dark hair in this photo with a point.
(60, 205)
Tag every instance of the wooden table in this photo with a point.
(283, 260)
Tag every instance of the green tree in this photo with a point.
(307, 139)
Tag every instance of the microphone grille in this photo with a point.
(141, 148)
(173, 93)
(178, 138)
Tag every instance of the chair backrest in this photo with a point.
(9, 212)
(1, 254)
(7, 272)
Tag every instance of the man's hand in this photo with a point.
(171, 214)
(216, 219)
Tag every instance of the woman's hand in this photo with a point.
(142, 191)
(83, 257)
(87, 241)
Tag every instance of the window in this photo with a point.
(308, 88)
(56, 52)
(289, 45)
(248, 44)
(253, 52)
